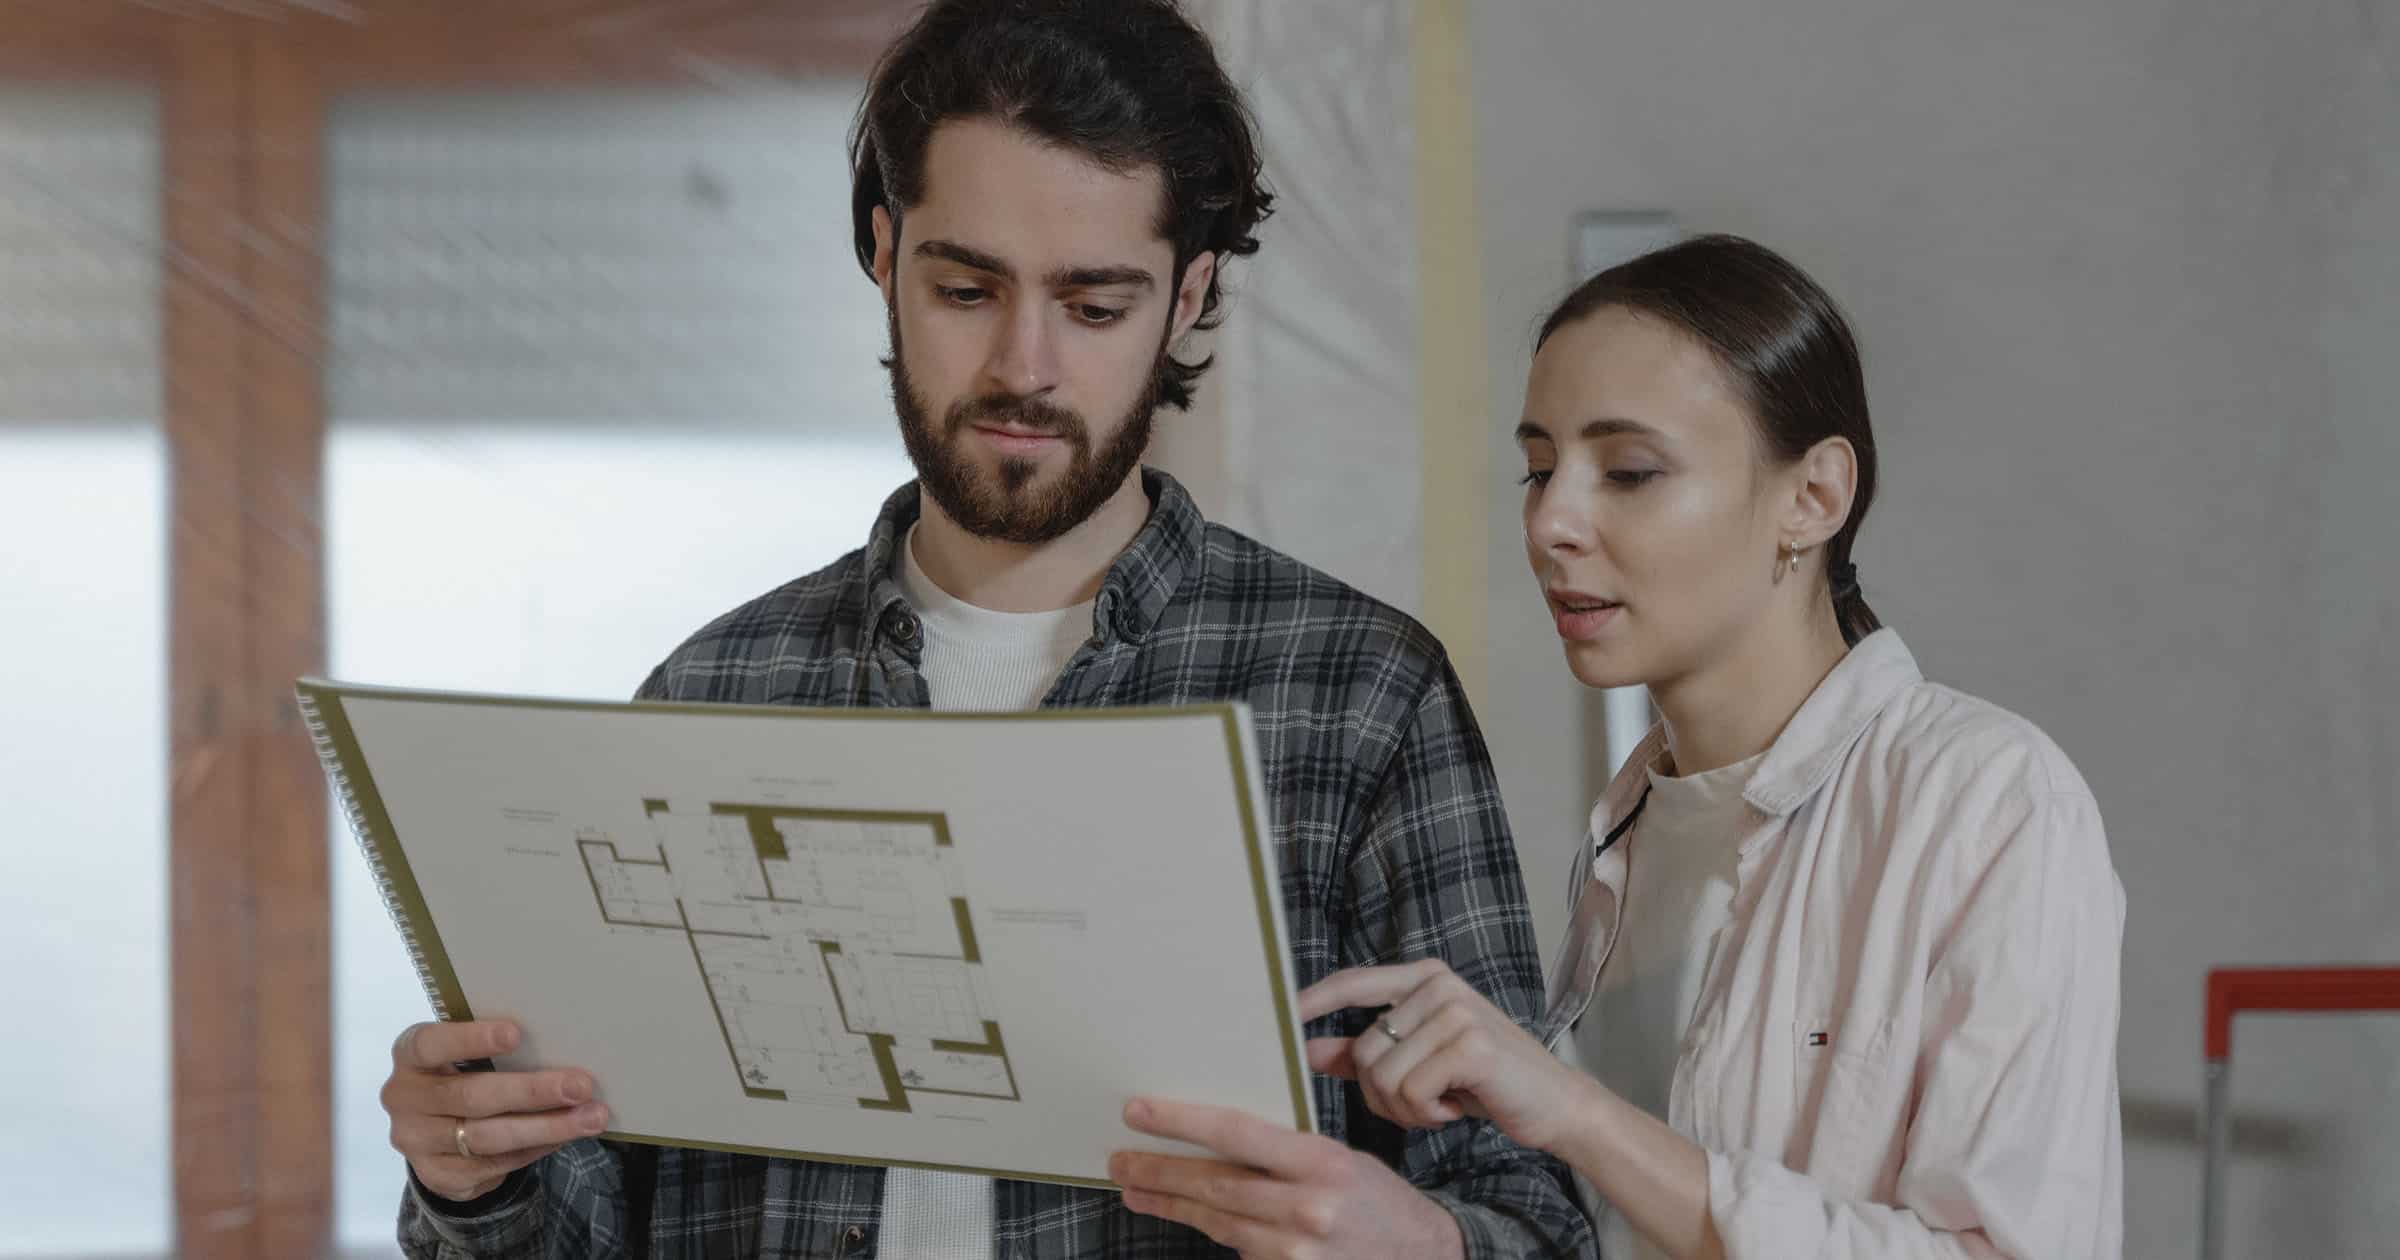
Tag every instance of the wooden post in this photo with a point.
(245, 425)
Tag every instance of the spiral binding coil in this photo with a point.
(359, 831)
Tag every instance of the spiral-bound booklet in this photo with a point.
(944, 940)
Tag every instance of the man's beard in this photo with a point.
(1010, 508)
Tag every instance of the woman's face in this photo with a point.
(1652, 521)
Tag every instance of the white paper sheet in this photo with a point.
(956, 941)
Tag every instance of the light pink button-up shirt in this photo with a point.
(1906, 1040)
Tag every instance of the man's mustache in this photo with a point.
(1025, 414)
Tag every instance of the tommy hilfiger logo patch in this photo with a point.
(1816, 1039)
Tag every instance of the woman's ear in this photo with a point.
(1825, 484)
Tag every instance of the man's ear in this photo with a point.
(1191, 297)
(887, 246)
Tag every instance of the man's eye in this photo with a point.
(959, 295)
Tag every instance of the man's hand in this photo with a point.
(502, 1120)
(1277, 1192)
(1441, 1052)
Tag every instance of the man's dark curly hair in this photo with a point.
(1128, 83)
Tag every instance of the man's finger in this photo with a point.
(431, 1137)
(505, 1164)
(1331, 1056)
(1364, 986)
(434, 1047)
(1229, 1188)
(1226, 1230)
(503, 1136)
(474, 1095)
(460, 1180)
(1236, 1135)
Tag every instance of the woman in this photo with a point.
(1843, 961)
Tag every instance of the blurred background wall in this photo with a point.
(499, 345)
(2127, 277)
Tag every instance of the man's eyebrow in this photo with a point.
(1072, 276)
(1101, 278)
(952, 251)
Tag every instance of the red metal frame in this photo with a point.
(2232, 990)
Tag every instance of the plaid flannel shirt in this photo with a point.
(1389, 834)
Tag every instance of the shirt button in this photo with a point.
(902, 626)
(854, 1236)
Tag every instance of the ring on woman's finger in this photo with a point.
(1389, 1031)
(458, 1138)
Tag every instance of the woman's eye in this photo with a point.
(1535, 477)
(1632, 476)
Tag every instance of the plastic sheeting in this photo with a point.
(83, 789)
(1319, 393)
(521, 339)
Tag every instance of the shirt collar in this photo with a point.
(1874, 673)
(1133, 598)
(1870, 676)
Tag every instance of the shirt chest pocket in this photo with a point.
(1844, 1078)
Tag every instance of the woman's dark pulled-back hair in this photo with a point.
(1783, 344)
(1127, 83)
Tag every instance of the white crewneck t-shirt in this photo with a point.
(973, 658)
(1680, 860)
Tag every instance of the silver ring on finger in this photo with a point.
(1389, 1031)
(458, 1138)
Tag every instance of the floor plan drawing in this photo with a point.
(886, 937)
(836, 947)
